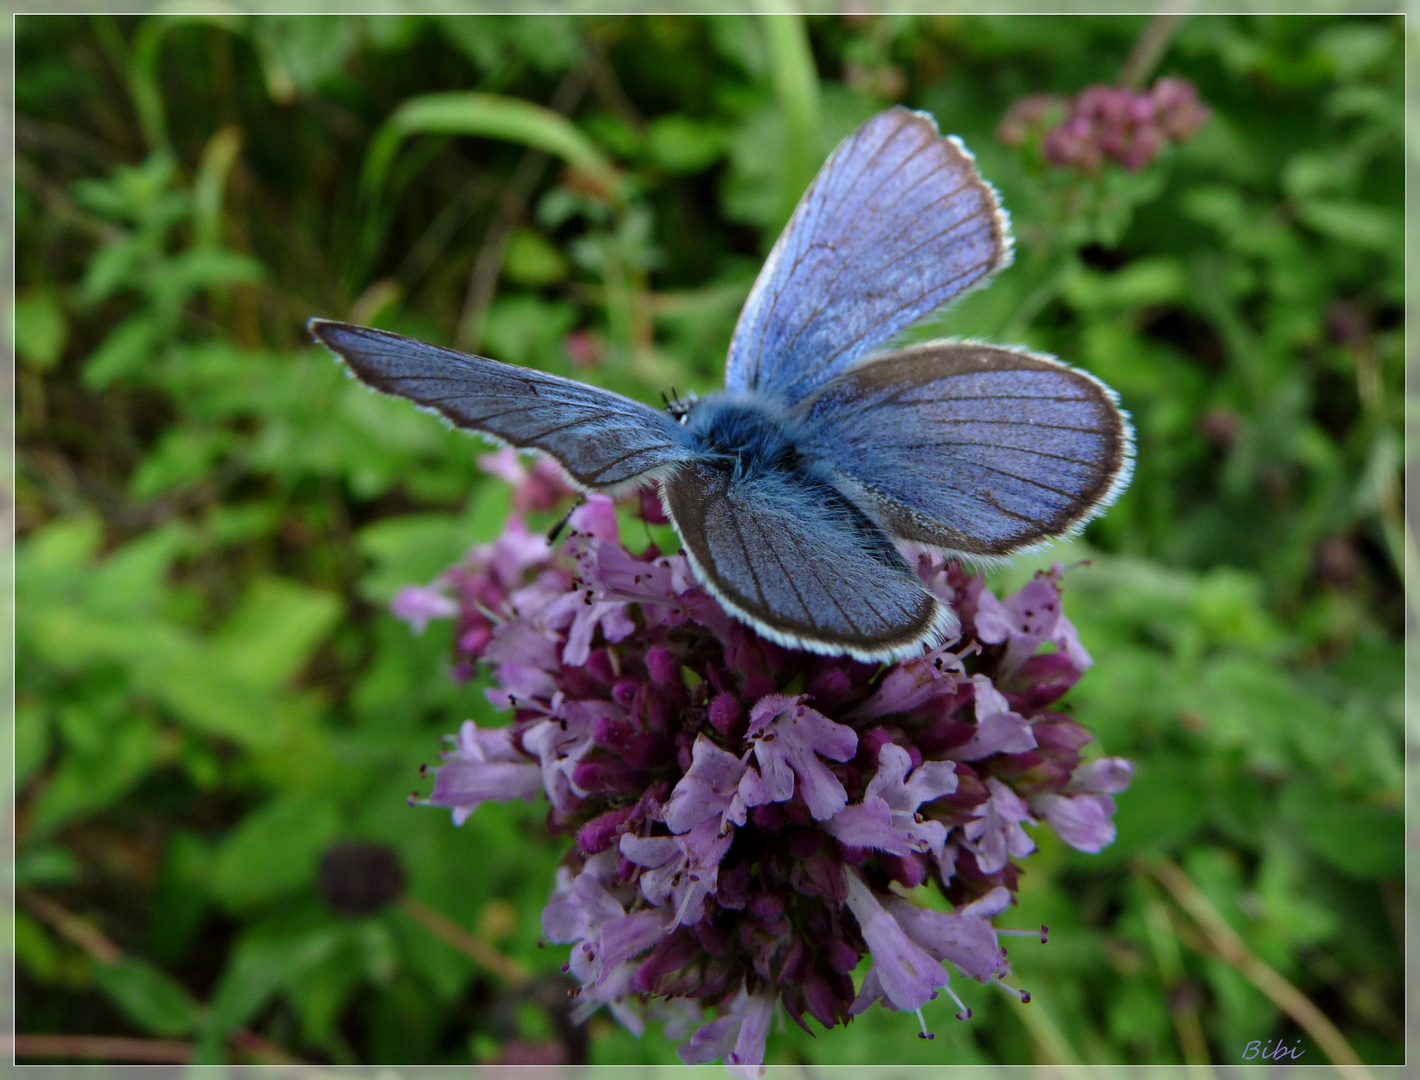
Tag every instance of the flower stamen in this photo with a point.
(1023, 996)
(1043, 933)
(963, 1013)
(924, 1033)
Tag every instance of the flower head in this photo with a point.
(747, 817)
(1106, 123)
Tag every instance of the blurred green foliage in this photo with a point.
(212, 517)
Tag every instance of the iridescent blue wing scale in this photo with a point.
(896, 223)
(604, 441)
(800, 563)
(970, 448)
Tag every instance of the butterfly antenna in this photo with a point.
(556, 530)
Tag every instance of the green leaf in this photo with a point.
(273, 632)
(1361, 840)
(1373, 228)
(83, 785)
(62, 544)
(254, 971)
(40, 329)
(179, 899)
(1141, 282)
(132, 191)
(127, 349)
(1353, 47)
(182, 456)
(273, 851)
(191, 272)
(34, 949)
(487, 116)
(308, 50)
(682, 145)
(528, 330)
(1249, 703)
(320, 993)
(152, 999)
(791, 68)
(530, 260)
(32, 741)
(260, 965)
(413, 549)
(119, 264)
(1160, 809)
(47, 865)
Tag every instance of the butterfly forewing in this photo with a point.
(972, 448)
(801, 563)
(601, 439)
(896, 224)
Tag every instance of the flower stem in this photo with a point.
(1149, 49)
(111, 1048)
(478, 950)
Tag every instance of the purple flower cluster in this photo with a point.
(1107, 123)
(751, 821)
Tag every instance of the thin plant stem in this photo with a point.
(1050, 1041)
(82, 933)
(110, 1048)
(70, 926)
(480, 951)
(1152, 43)
(1182, 1008)
(488, 264)
(1229, 947)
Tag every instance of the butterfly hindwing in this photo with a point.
(601, 439)
(800, 563)
(896, 223)
(972, 448)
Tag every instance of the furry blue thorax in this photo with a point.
(752, 430)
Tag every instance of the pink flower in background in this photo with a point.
(584, 348)
(1106, 123)
(538, 484)
(743, 811)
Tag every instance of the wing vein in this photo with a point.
(993, 446)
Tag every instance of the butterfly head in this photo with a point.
(679, 407)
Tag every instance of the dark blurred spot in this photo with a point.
(1186, 995)
(1276, 485)
(1099, 257)
(1336, 405)
(1193, 335)
(1220, 426)
(358, 879)
(884, 81)
(1346, 323)
(1338, 563)
(1192, 721)
(1387, 317)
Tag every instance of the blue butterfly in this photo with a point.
(791, 488)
